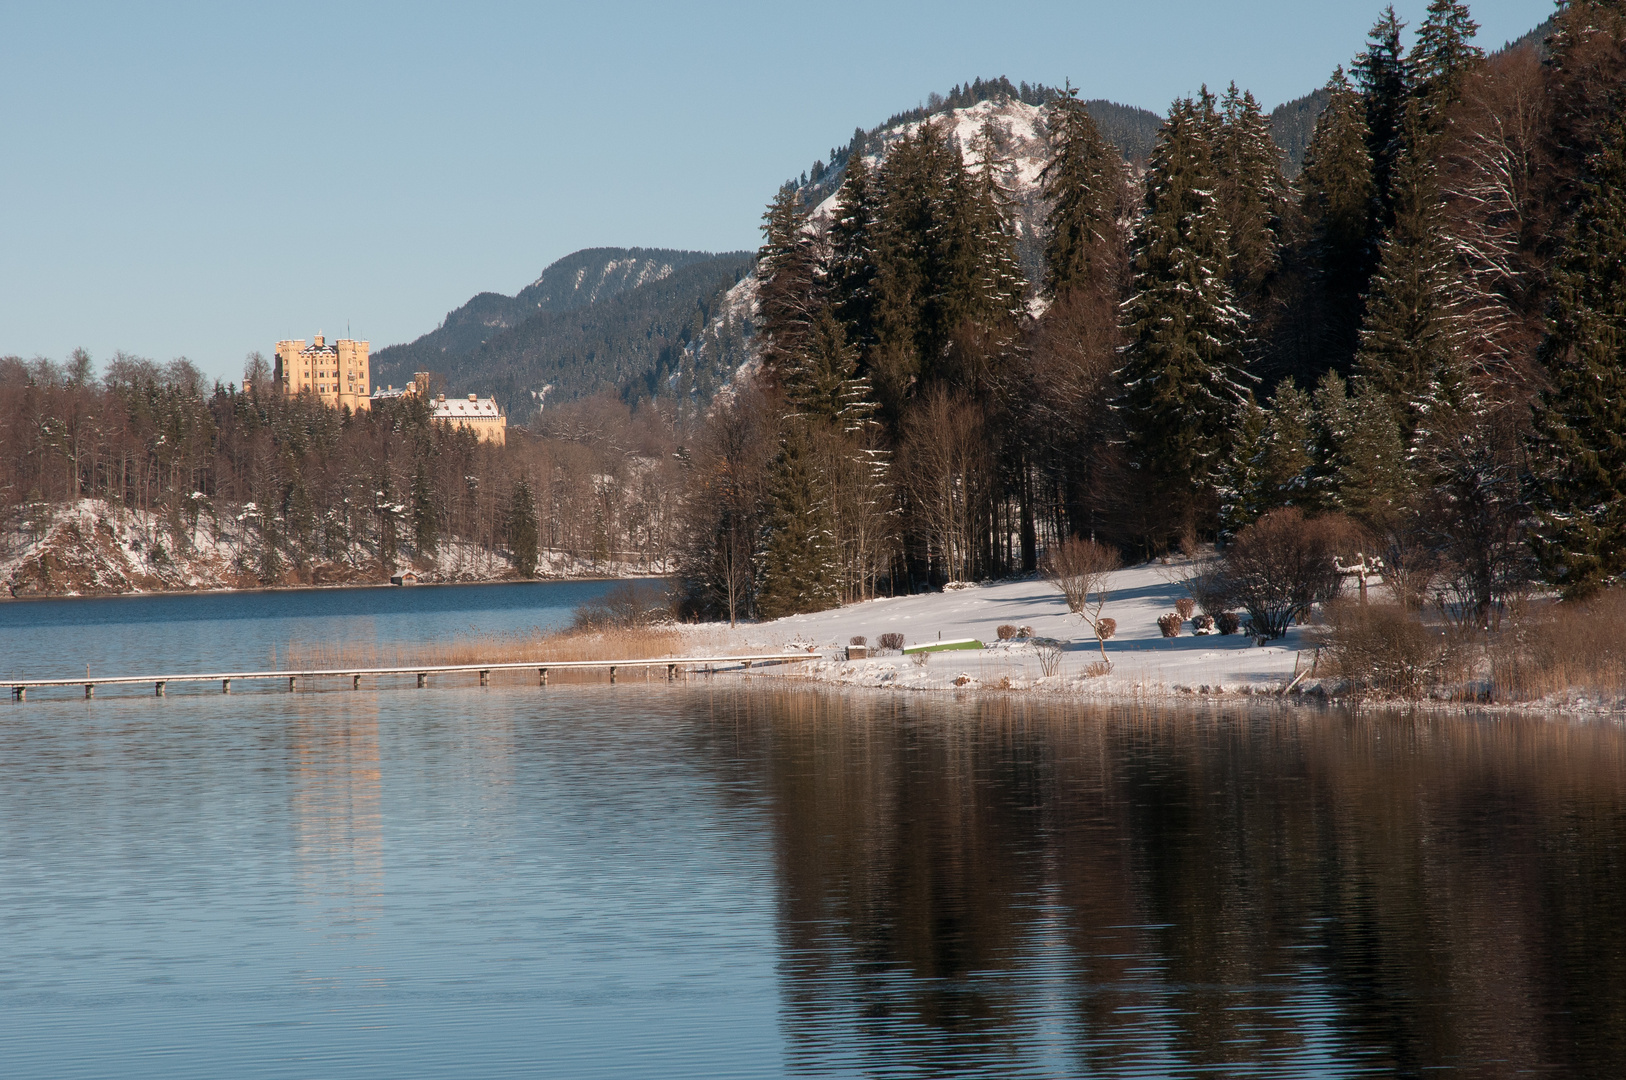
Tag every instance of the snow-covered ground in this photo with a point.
(1143, 662)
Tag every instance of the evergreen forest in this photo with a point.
(1421, 330)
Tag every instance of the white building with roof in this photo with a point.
(480, 415)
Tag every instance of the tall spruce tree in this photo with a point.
(1336, 193)
(425, 522)
(1184, 379)
(799, 558)
(788, 297)
(851, 262)
(1579, 443)
(1384, 75)
(523, 537)
(914, 209)
(1252, 194)
(1409, 340)
(1443, 56)
(1083, 182)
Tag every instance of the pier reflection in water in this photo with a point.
(732, 879)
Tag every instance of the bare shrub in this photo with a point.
(1006, 631)
(1208, 584)
(1170, 624)
(1049, 652)
(1105, 628)
(891, 641)
(1383, 648)
(922, 658)
(1409, 568)
(1097, 668)
(858, 639)
(1185, 606)
(1079, 568)
(1282, 564)
(1024, 631)
(628, 604)
(1203, 624)
(1226, 622)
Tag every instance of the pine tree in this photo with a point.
(1184, 380)
(822, 383)
(787, 300)
(523, 539)
(997, 288)
(1083, 181)
(384, 506)
(1383, 73)
(1443, 56)
(1271, 460)
(425, 526)
(1252, 194)
(799, 559)
(851, 264)
(1337, 196)
(1579, 445)
(1409, 340)
(1362, 463)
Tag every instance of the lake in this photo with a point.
(746, 878)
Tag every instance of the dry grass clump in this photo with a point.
(1560, 648)
(1380, 648)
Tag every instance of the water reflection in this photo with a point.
(1007, 888)
(336, 812)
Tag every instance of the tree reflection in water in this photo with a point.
(1016, 887)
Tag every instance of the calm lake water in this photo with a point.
(735, 879)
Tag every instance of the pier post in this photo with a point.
(541, 676)
(158, 688)
(423, 677)
(225, 686)
(612, 674)
(355, 682)
(90, 690)
(485, 678)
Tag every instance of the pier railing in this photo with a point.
(672, 664)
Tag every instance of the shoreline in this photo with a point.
(7, 598)
(1165, 695)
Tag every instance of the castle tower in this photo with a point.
(335, 374)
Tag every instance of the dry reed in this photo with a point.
(1550, 650)
(534, 646)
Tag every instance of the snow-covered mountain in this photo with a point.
(1021, 139)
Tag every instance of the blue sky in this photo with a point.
(203, 179)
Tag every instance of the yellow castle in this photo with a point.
(336, 374)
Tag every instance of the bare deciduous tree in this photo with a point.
(1079, 568)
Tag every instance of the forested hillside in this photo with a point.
(615, 319)
(146, 478)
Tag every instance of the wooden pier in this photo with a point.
(672, 664)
